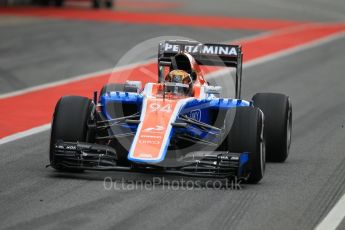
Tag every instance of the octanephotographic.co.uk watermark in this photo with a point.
(160, 183)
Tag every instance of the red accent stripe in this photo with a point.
(152, 18)
(23, 112)
(33, 109)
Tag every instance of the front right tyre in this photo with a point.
(70, 124)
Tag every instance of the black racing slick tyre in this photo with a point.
(59, 3)
(43, 2)
(109, 4)
(277, 111)
(96, 4)
(246, 135)
(70, 120)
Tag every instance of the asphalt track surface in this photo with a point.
(293, 195)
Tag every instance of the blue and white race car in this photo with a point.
(177, 125)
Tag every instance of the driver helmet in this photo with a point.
(180, 77)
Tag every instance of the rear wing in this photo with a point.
(210, 54)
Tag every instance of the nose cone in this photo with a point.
(153, 135)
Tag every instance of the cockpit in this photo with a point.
(176, 89)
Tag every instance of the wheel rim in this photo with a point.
(288, 130)
(263, 157)
(262, 150)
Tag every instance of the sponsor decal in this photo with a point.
(219, 50)
(154, 126)
(149, 142)
(209, 49)
(151, 136)
(195, 114)
(71, 147)
(191, 49)
(59, 147)
(155, 129)
(157, 107)
(224, 158)
(171, 48)
(145, 155)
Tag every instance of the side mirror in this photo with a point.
(133, 86)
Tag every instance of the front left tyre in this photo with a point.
(246, 134)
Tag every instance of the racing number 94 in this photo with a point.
(156, 107)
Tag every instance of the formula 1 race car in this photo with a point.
(178, 125)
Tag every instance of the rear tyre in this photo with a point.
(43, 2)
(109, 4)
(70, 120)
(277, 111)
(59, 3)
(246, 135)
(96, 4)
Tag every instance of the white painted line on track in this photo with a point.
(25, 133)
(280, 54)
(108, 71)
(74, 79)
(52, 84)
(334, 217)
(337, 213)
(296, 49)
(248, 64)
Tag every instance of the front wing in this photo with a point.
(212, 164)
